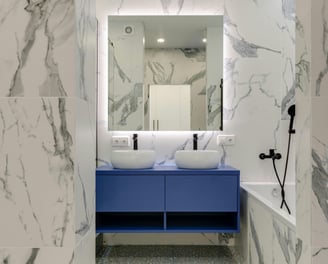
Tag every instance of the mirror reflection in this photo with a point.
(165, 72)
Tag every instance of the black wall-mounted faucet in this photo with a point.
(195, 139)
(272, 155)
(135, 141)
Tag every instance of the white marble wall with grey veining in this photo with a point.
(37, 170)
(179, 66)
(255, 86)
(84, 185)
(85, 127)
(85, 131)
(49, 255)
(319, 181)
(303, 128)
(255, 82)
(319, 81)
(37, 36)
(259, 83)
(269, 239)
(48, 77)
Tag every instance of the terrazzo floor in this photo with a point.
(167, 255)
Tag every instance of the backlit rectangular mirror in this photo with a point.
(165, 73)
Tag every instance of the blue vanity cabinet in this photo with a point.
(167, 199)
(201, 193)
(130, 193)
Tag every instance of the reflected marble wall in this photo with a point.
(47, 71)
(125, 85)
(178, 66)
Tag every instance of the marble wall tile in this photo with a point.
(303, 127)
(284, 243)
(84, 187)
(268, 238)
(42, 38)
(85, 249)
(260, 231)
(319, 174)
(85, 50)
(49, 255)
(319, 51)
(49, 53)
(37, 168)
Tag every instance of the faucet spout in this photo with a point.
(195, 139)
(135, 141)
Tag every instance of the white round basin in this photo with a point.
(197, 159)
(133, 159)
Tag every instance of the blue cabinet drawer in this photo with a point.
(135, 193)
(202, 193)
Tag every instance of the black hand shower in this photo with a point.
(273, 156)
(291, 112)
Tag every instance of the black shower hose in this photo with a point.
(282, 184)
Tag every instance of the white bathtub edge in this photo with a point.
(284, 216)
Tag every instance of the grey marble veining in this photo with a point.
(86, 222)
(320, 182)
(166, 4)
(63, 147)
(283, 239)
(289, 8)
(324, 51)
(124, 77)
(247, 49)
(320, 251)
(24, 125)
(160, 75)
(35, 255)
(86, 32)
(229, 113)
(42, 19)
(256, 240)
(176, 67)
(6, 11)
(129, 104)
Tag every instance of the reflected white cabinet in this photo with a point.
(169, 107)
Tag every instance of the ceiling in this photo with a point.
(178, 31)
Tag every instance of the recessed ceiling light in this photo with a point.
(160, 40)
(204, 40)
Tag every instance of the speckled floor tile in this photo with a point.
(167, 255)
(203, 260)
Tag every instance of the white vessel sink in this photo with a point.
(133, 159)
(197, 159)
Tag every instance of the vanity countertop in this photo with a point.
(168, 169)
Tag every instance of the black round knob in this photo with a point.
(277, 156)
(262, 156)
